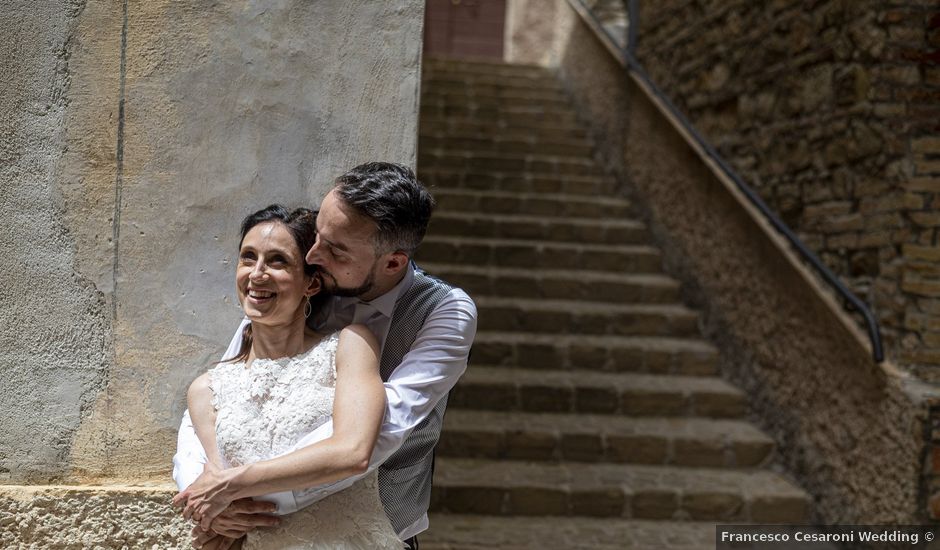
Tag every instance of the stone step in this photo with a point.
(469, 127)
(548, 228)
(511, 100)
(531, 282)
(569, 184)
(474, 486)
(437, 65)
(523, 115)
(502, 163)
(449, 80)
(442, 91)
(611, 353)
(576, 317)
(540, 254)
(531, 144)
(532, 204)
(603, 438)
(478, 532)
(503, 388)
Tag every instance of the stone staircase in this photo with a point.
(592, 414)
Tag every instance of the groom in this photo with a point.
(369, 226)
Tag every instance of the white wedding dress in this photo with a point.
(262, 410)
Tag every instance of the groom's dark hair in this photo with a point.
(390, 195)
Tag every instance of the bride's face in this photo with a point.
(270, 280)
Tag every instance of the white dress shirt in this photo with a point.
(427, 373)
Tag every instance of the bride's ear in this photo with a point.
(314, 287)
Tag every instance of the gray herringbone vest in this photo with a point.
(405, 478)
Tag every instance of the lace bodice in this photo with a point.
(262, 410)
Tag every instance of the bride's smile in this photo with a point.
(271, 283)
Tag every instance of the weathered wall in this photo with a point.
(55, 333)
(852, 433)
(122, 223)
(829, 109)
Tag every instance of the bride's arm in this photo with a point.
(358, 409)
(202, 413)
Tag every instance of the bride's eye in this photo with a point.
(247, 257)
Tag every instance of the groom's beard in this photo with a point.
(333, 288)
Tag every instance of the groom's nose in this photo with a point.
(314, 257)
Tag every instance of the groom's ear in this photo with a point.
(395, 262)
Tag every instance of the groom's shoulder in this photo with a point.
(446, 292)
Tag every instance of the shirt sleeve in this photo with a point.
(190, 457)
(427, 373)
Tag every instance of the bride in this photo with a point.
(285, 382)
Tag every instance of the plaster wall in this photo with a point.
(136, 136)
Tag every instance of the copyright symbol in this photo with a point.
(928, 536)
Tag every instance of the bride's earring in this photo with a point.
(308, 309)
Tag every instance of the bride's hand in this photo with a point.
(205, 499)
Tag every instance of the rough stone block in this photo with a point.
(538, 501)
(654, 504)
(598, 503)
(713, 506)
(639, 449)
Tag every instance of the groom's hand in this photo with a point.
(242, 516)
(206, 497)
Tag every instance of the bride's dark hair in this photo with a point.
(302, 225)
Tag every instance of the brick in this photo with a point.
(932, 76)
(930, 253)
(582, 447)
(653, 504)
(922, 288)
(907, 75)
(531, 445)
(548, 399)
(752, 453)
(883, 221)
(871, 187)
(890, 110)
(598, 503)
(891, 203)
(877, 238)
(596, 400)
(926, 184)
(926, 145)
(778, 510)
(714, 506)
(699, 453)
(842, 240)
(473, 500)
(638, 449)
(931, 339)
(925, 219)
(826, 209)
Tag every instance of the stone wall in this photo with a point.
(136, 135)
(829, 109)
(851, 432)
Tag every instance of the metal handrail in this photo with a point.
(633, 65)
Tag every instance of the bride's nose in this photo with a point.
(259, 273)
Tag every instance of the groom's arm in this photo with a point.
(426, 374)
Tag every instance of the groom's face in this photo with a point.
(344, 252)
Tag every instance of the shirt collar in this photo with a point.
(385, 304)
